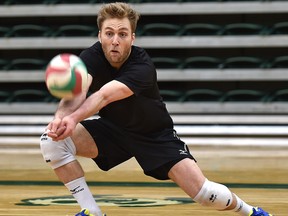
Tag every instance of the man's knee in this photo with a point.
(57, 153)
(214, 195)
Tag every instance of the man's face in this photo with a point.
(116, 38)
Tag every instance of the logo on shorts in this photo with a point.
(183, 152)
(107, 200)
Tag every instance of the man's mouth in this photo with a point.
(114, 53)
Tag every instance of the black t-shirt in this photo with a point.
(143, 112)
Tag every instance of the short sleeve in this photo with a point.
(138, 78)
(138, 73)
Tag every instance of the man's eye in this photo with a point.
(123, 35)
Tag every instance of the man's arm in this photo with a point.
(65, 108)
(110, 92)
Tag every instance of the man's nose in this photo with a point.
(115, 40)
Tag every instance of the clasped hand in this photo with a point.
(59, 129)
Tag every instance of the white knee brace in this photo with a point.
(57, 153)
(214, 195)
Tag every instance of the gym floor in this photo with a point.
(259, 175)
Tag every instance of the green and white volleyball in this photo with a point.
(66, 76)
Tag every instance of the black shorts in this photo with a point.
(156, 153)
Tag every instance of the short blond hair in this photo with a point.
(118, 10)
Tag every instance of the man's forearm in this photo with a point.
(66, 107)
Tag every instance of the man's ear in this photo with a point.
(99, 36)
(133, 38)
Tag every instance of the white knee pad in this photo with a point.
(57, 153)
(214, 195)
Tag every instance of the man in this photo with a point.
(133, 122)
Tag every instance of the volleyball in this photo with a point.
(66, 76)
